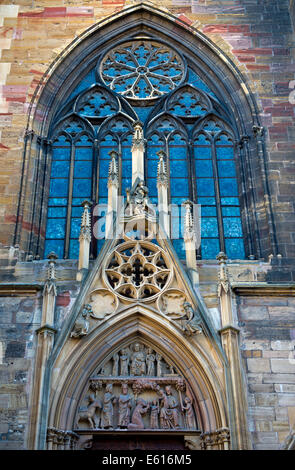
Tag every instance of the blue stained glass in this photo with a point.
(204, 168)
(86, 82)
(225, 153)
(119, 126)
(59, 187)
(54, 245)
(195, 80)
(104, 166)
(74, 249)
(179, 248)
(108, 140)
(56, 201)
(83, 153)
(178, 168)
(126, 183)
(99, 244)
(73, 127)
(77, 201)
(152, 152)
(62, 140)
(202, 140)
(77, 211)
(232, 227)
(83, 169)
(205, 187)
(226, 168)
(202, 152)
(126, 153)
(56, 228)
(178, 200)
(152, 168)
(60, 168)
(179, 187)
(231, 211)
(209, 227)
(208, 211)
(223, 139)
(212, 126)
(228, 187)
(210, 248)
(104, 152)
(165, 125)
(152, 186)
(177, 139)
(75, 227)
(61, 153)
(155, 139)
(230, 201)
(82, 187)
(57, 212)
(127, 169)
(177, 152)
(103, 186)
(234, 248)
(207, 201)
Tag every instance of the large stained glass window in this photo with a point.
(148, 81)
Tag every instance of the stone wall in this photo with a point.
(268, 351)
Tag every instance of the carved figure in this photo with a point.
(150, 361)
(191, 324)
(154, 418)
(124, 362)
(124, 407)
(187, 407)
(169, 415)
(115, 371)
(107, 410)
(89, 414)
(137, 361)
(140, 199)
(140, 410)
(81, 326)
(159, 365)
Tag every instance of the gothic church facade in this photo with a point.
(147, 225)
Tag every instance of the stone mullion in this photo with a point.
(249, 237)
(44, 197)
(70, 197)
(218, 199)
(35, 178)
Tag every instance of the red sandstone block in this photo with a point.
(3, 147)
(238, 28)
(246, 59)
(257, 51)
(79, 11)
(48, 12)
(63, 299)
(215, 28)
(281, 51)
(257, 67)
(184, 18)
(286, 146)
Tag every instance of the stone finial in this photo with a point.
(85, 232)
(50, 285)
(189, 230)
(162, 177)
(223, 279)
(138, 138)
(113, 168)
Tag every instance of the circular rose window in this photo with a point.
(142, 69)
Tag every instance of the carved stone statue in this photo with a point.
(150, 361)
(187, 407)
(107, 410)
(191, 323)
(124, 407)
(159, 365)
(140, 410)
(138, 366)
(89, 414)
(140, 199)
(115, 371)
(124, 362)
(81, 326)
(154, 418)
(169, 414)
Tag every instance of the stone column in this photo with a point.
(45, 340)
(230, 341)
(84, 241)
(137, 150)
(162, 185)
(190, 241)
(113, 188)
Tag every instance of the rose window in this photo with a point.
(137, 270)
(142, 70)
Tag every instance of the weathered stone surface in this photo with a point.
(258, 365)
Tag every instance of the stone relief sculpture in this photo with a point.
(138, 389)
(191, 323)
(81, 326)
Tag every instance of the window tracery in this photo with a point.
(149, 81)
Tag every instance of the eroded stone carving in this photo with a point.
(81, 326)
(102, 303)
(139, 389)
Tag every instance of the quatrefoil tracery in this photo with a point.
(138, 270)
